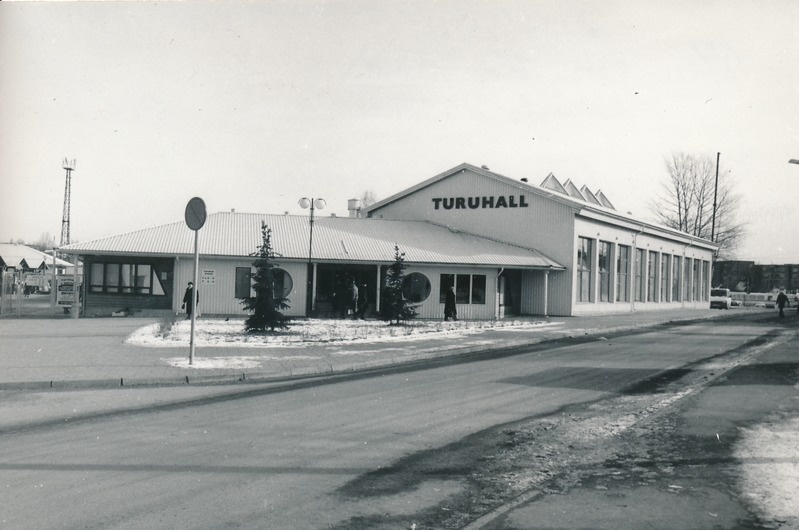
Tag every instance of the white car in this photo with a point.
(720, 298)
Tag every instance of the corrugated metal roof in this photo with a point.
(334, 239)
(14, 254)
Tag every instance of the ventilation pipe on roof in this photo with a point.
(354, 207)
(524, 179)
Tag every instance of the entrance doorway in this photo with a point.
(509, 293)
(333, 291)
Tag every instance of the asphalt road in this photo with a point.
(387, 450)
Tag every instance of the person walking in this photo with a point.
(782, 301)
(450, 310)
(189, 300)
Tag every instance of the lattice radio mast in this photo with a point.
(69, 166)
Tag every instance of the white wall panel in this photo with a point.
(219, 297)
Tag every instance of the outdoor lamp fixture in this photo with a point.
(314, 204)
(793, 161)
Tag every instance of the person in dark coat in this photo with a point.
(782, 301)
(450, 310)
(363, 302)
(189, 300)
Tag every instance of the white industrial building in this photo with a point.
(508, 247)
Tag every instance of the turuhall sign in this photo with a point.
(475, 203)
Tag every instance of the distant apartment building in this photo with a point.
(754, 278)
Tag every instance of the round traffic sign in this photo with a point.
(195, 213)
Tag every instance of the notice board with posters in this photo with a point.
(65, 290)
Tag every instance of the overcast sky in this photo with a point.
(253, 105)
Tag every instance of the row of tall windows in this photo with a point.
(125, 278)
(656, 276)
(469, 288)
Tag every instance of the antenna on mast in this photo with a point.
(69, 166)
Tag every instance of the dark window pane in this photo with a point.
(446, 281)
(462, 288)
(478, 289)
(242, 282)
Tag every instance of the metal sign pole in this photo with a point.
(195, 216)
(194, 293)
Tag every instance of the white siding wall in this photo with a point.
(219, 298)
(433, 309)
(533, 295)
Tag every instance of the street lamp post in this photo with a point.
(313, 204)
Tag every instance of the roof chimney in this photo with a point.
(354, 207)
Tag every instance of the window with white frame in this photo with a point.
(675, 279)
(665, 268)
(686, 283)
(125, 278)
(604, 271)
(469, 288)
(623, 274)
(585, 252)
(640, 273)
(652, 277)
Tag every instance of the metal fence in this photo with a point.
(31, 294)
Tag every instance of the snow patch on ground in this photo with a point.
(238, 362)
(221, 333)
(769, 457)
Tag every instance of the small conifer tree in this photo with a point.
(266, 305)
(395, 307)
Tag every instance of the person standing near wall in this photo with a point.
(189, 300)
(450, 309)
(363, 302)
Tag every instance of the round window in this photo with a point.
(283, 282)
(416, 287)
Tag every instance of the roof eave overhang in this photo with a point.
(647, 228)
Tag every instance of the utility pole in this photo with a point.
(69, 166)
(715, 194)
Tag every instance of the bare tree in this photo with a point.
(367, 198)
(686, 201)
(45, 242)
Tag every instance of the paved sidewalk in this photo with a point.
(91, 353)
